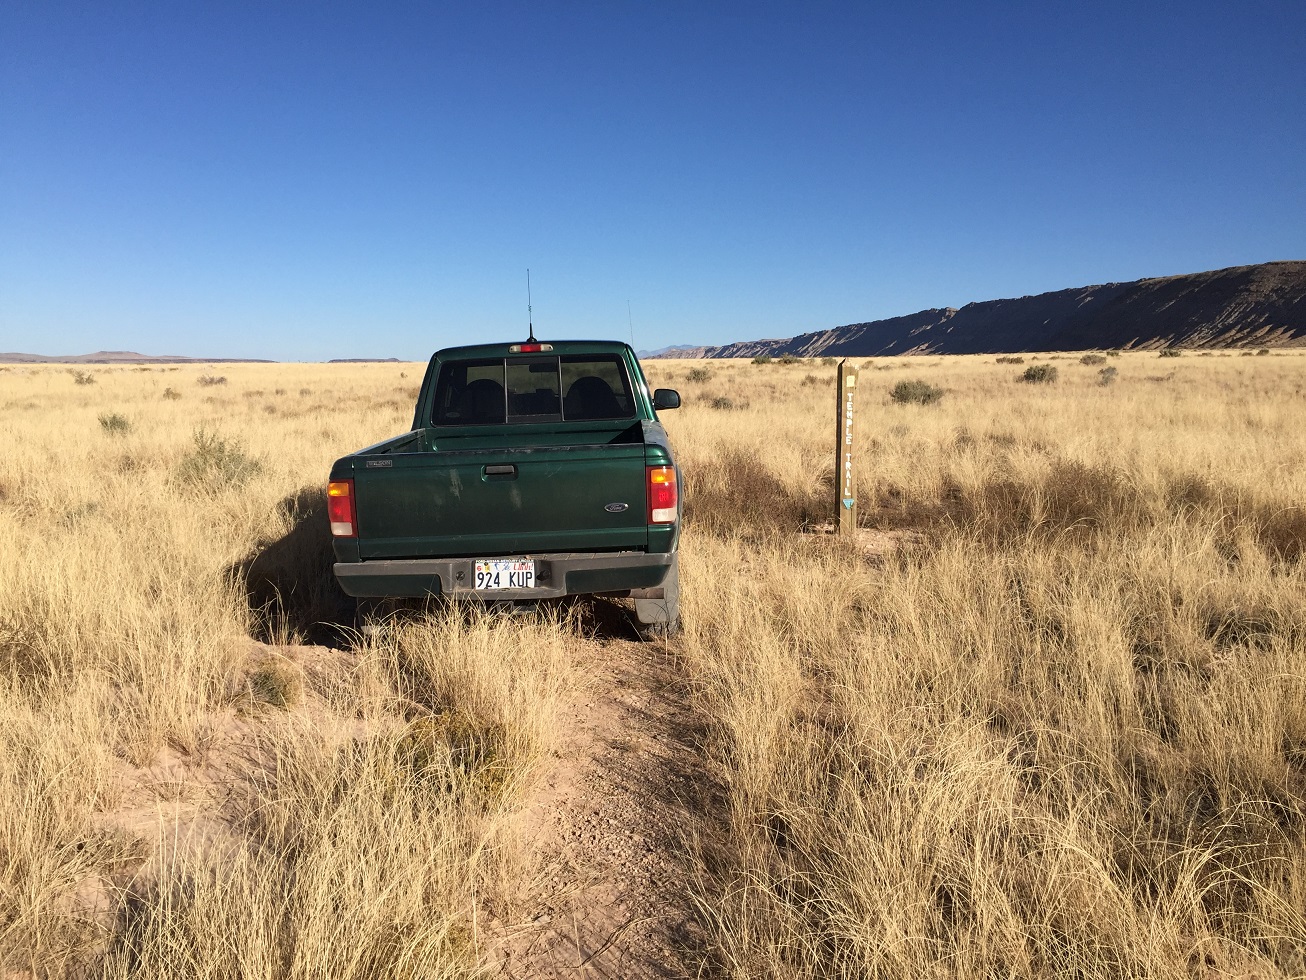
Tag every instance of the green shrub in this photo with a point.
(1010, 360)
(115, 424)
(829, 361)
(816, 379)
(1113, 353)
(915, 393)
(1039, 374)
(83, 378)
(171, 394)
(1262, 352)
(1106, 376)
(762, 359)
(208, 380)
(1093, 359)
(790, 359)
(1170, 352)
(699, 374)
(722, 403)
(216, 463)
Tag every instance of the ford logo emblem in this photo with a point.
(616, 508)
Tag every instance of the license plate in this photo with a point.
(505, 574)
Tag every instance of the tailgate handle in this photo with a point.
(503, 470)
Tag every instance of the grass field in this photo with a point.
(1046, 716)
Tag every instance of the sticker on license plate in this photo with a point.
(505, 574)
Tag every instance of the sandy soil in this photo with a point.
(604, 893)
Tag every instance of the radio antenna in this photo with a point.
(631, 322)
(530, 322)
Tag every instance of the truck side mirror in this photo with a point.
(666, 398)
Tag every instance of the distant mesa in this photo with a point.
(131, 357)
(123, 357)
(1245, 306)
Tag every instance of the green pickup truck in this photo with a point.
(532, 471)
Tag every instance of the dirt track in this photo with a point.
(608, 896)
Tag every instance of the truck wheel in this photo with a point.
(372, 615)
(661, 617)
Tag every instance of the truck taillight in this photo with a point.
(340, 509)
(662, 495)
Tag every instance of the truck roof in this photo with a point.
(559, 347)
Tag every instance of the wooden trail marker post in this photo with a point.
(845, 496)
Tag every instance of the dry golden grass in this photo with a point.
(1059, 728)
(1062, 730)
(182, 801)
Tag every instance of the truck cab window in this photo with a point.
(595, 387)
(570, 388)
(470, 393)
(533, 392)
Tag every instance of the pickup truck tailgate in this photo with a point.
(488, 502)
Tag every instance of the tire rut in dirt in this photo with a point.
(606, 828)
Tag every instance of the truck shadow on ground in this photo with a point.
(602, 617)
(288, 583)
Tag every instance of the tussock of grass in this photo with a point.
(1039, 374)
(915, 392)
(115, 424)
(738, 494)
(276, 682)
(216, 463)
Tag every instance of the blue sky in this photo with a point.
(304, 181)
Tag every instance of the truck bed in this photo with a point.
(516, 493)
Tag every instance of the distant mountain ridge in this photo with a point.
(1244, 306)
(664, 351)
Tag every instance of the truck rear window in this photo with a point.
(566, 388)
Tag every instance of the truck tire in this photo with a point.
(371, 616)
(661, 617)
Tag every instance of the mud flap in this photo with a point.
(666, 610)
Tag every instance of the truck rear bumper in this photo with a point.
(635, 572)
